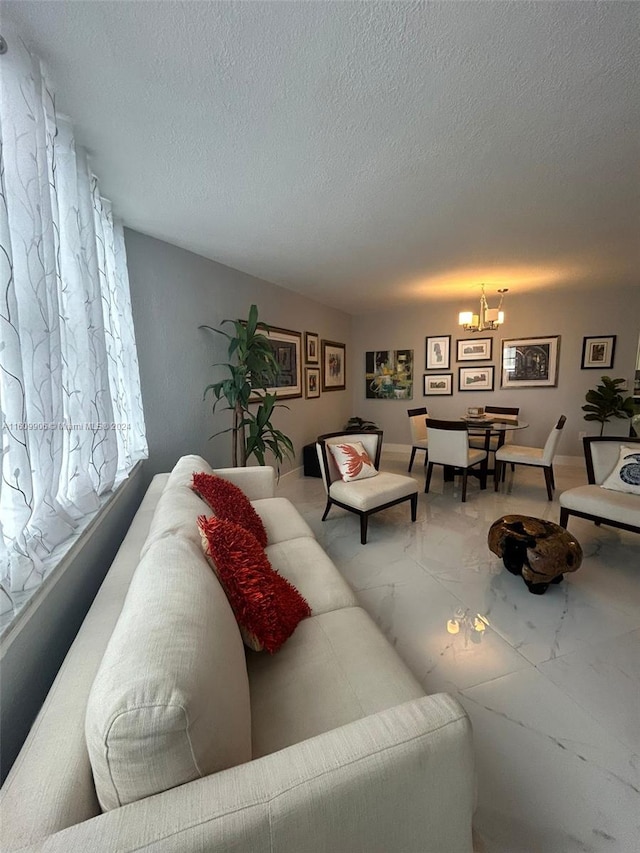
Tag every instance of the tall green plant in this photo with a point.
(252, 369)
(606, 402)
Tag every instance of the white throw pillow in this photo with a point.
(353, 461)
(625, 477)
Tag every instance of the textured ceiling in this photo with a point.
(366, 154)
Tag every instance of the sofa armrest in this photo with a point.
(402, 779)
(256, 481)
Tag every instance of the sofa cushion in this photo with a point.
(230, 503)
(625, 477)
(170, 701)
(603, 503)
(353, 461)
(176, 512)
(281, 519)
(267, 607)
(336, 668)
(304, 563)
(185, 468)
(367, 494)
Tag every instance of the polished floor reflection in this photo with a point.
(551, 683)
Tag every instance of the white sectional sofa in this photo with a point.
(328, 745)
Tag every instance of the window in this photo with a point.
(73, 424)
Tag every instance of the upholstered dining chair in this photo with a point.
(361, 487)
(449, 446)
(537, 457)
(503, 412)
(418, 426)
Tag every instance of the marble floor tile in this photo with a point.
(417, 618)
(604, 679)
(550, 778)
(551, 683)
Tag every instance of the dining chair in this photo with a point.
(537, 457)
(418, 433)
(495, 441)
(363, 492)
(449, 446)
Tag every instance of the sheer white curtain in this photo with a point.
(73, 424)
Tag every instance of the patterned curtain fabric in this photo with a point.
(73, 424)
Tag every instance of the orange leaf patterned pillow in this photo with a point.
(353, 461)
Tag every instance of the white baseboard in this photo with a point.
(296, 472)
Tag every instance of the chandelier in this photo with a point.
(488, 319)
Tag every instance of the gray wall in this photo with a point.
(174, 291)
(571, 315)
(36, 644)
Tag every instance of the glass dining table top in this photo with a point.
(493, 424)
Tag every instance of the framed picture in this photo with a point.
(530, 362)
(598, 353)
(311, 348)
(475, 378)
(389, 374)
(334, 367)
(475, 349)
(438, 355)
(311, 382)
(438, 384)
(287, 349)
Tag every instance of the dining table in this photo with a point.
(487, 425)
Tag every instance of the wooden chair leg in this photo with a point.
(414, 506)
(496, 475)
(413, 456)
(465, 474)
(328, 507)
(547, 479)
(564, 517)
(429, 473)
(364, 521)
(483, 473)
(553, 476)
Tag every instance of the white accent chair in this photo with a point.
(363, 497)
(449, 446)
(602, 506)
(417, 422)
(537, 457)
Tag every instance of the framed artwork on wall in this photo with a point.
(438, 385)
(475, 349)
(438, 353)
(311, 348)
(530, 362)
(334, 368)
(287, 350)
(311, 382)
(598, 353)
(389, 374)
(476, 378)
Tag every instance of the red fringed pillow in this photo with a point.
(266, 606)
(229, 503)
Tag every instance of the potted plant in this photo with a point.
(356, 424)
(606, 402)
(252, 369)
